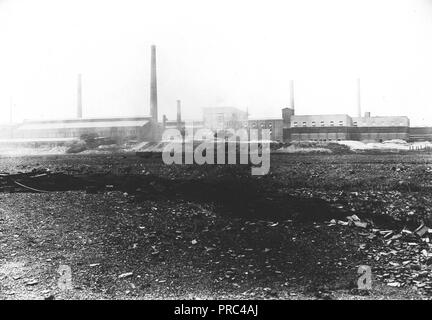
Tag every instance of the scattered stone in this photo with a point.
(125, 275)
(32, 282)
(394, 284)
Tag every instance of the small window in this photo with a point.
(304, 124)
(341, 123)
(313, 123)
(322, 123)
(331, 123)
(355, 123)
(295, 124)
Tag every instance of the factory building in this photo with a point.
(144, 128)
(223, 118)
(324, 120)
(337, 127)
(420, 134)
(392, 121)
(116, 128)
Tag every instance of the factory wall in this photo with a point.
(321, 134)
(420, 134)
(328, 134)
(375, 133)
(387, 121)
(115, 128)
(274, 125)
(112, 132)
(325, 120)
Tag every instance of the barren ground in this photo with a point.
(133, 228)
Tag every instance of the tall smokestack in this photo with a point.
(178, 112)
(79, 97)
(358, 98)
(292, 93)
(153, 86)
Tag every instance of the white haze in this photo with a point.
(216, 53)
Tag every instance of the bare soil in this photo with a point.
(133, 228)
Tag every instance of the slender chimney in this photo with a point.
(292, 94)
(358, 98)
(153, 86)
(178, 113)
(164, 120)
(79, 97)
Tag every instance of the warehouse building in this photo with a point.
(116, 128)
(337, 127)
(420, 134)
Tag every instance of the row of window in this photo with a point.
(322, 124)
(324, 140)
(254, 125)
(341, 124)
(382, 123)
(77, 133)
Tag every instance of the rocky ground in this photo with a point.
(131, 228)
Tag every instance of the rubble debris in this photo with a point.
(360, 224)
(421, 230)
(32, 282)
(125, 275)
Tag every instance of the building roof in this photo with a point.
(25, 140)
(382, 117)
(101, 123)
(88, 119)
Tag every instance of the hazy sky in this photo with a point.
(216, 53)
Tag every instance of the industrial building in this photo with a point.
(116, 128)
(275, 126)
(337, 127)
(290, 127)
(222, 118)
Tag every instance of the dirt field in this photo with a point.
(133, 228)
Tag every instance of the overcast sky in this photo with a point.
(216, 53)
